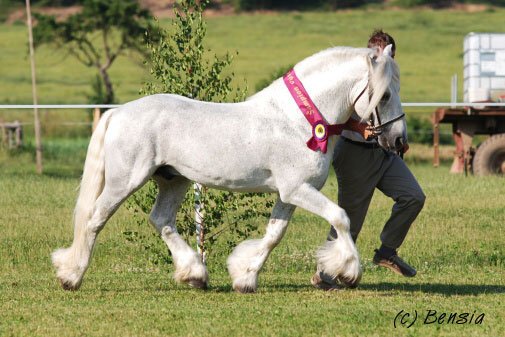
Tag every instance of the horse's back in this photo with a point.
(229, 140)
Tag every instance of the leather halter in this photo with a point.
(377, 129)
(372, 130)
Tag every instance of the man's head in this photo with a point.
(380, 39)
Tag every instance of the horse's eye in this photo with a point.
(386, 97)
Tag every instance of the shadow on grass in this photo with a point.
(49, 172)
(288, 288)
(388, 287)
(436, 288)
(63, 173)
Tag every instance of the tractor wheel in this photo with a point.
(490, 156)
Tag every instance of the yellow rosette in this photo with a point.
(320, 131)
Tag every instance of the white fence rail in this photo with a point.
(111, 106)
(59, 106)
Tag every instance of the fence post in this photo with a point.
(454, 90)
(436, 138)
(18, 129)
(38, 136)
(4, 134)
(96, 118)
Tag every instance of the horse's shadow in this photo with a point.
(450, 289)
(384, 288)
(389, 287)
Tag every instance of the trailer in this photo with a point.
(488, 157)
(484, 83)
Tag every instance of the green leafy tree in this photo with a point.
(98, 35)
(180, 64)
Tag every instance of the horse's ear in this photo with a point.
(388, 50)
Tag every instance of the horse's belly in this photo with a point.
(229, 175)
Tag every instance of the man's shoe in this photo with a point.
(395, 263)
(326, 284)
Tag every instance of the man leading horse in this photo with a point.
(371, 167)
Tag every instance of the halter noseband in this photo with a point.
(375, 130)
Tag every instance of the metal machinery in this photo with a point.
(484, 82)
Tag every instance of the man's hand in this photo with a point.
(368, 133)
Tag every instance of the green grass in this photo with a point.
(457, 244)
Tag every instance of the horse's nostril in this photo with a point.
(399, 143)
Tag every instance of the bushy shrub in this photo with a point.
(263, 83)
(248, 5)
(420, 130)
(444, 3)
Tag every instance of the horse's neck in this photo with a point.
(329, 84)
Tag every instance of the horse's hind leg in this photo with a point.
(188, 265)
(90, 217)
(71, 263)
(248, 258)
(339, 258)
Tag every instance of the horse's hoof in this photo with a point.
(197, 283)
(69, 286)
(349, 283)
(244, 289)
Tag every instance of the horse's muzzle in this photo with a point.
(399, 143)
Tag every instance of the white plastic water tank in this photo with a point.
(484, 61)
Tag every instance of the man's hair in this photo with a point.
(381, 39)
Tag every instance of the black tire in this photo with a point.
(490, 156)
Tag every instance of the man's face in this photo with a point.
(381, 49)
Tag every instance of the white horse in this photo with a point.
(255, 146)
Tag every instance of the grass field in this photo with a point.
(457, 244)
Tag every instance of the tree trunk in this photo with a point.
(109, 91)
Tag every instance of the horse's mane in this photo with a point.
(383, 70)
(384, 74)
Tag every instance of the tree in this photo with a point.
(178, 59)
(180, 65)
(102, 31)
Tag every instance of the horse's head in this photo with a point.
(382, 105)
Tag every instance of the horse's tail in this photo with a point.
(93, 176)
(71, 263)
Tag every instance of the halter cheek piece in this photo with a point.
(372, 130)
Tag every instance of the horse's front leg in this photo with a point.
(248, 258)
(339, 258)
